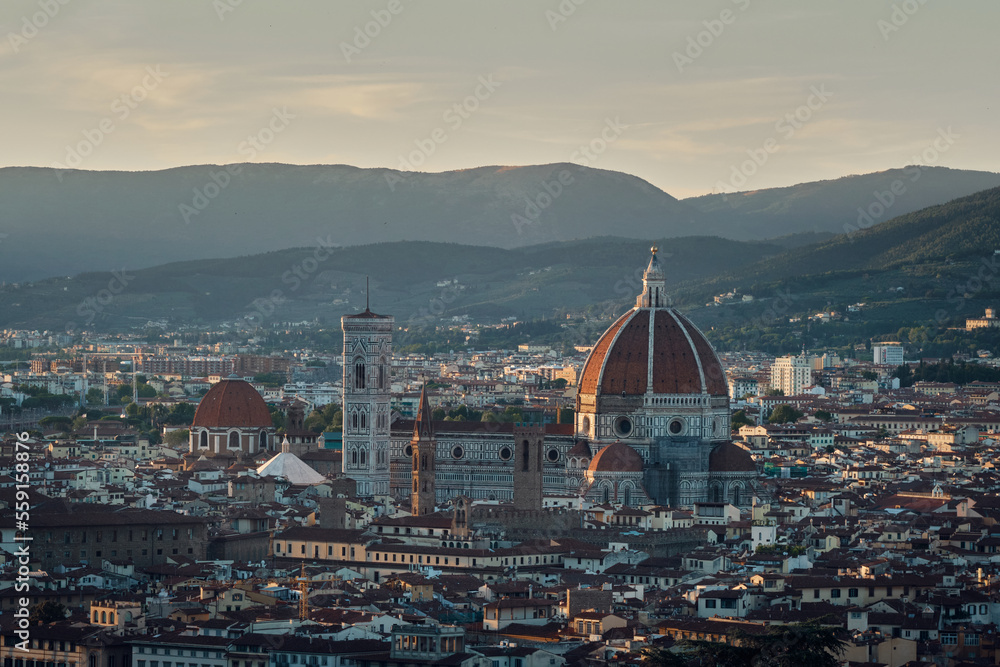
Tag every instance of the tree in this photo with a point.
(740, 419)
(57, 422)
(181, 413)
(784, 414)
(95, 396)
(807, 644)
(823, 415)
(177, 438)
(654, 656)
(47, 612)
(80, 423)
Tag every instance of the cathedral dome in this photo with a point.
(616, 457)
(655, 350)
(232, 403)
(729, 457)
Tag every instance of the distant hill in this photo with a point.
(60, 223)
(832, 206)
(66, 222)
(417, 282)
(956, 232)
(930, 268)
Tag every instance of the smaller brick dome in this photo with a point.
(232, 403)
(728, 457)
(616, 457)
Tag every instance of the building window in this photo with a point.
(359, 374)
(709, 604)
(852, 592)
(949, 638)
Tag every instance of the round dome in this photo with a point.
(728, 457)
(232, 403)
(616, 457)
(655, 350)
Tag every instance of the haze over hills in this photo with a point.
(905, 269)
(832, 206)
(110, 220)
(412, 280)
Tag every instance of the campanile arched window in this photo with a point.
(359, 374)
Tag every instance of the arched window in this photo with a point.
(354, 420)
(364, 457)
(381, 373)
(234, 440)
(354, 457)
(104, 617)
(414, 462)
(605, 494)
(735, 495)
(628, 496)
(359, 374)
(263, 439)
(364, 421)
(203, 439)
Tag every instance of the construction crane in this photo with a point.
(303, 594)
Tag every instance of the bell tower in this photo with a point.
(367, 362)
(528, 466)
(424, 459)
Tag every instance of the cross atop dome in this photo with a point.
(654, 292)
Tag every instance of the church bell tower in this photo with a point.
(367, 362)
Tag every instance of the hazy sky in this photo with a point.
(676, 93)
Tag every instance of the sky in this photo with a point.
(694, 97)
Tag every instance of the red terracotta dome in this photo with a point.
(729, 457)
(682, 360)
(616, 457)
(232, 403)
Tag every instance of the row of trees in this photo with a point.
(947, 371)
(808, 644)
